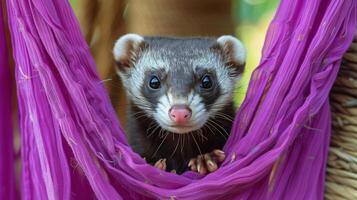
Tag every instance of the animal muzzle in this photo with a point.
(180, 114)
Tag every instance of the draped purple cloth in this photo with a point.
(74, 147)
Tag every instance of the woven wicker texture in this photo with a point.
(341, 179)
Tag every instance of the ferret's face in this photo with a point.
(180, 83)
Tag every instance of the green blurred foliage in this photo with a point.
(73, 2)
(252, 18)
(252, 11)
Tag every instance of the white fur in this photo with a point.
(239, 51)
(120, 47)
(194, 101)
(120, 52)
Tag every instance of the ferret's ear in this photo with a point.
(126, 50)
(234, 51)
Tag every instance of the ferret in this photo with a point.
(180, 94)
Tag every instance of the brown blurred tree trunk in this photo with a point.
(103, 21)
(180, 17)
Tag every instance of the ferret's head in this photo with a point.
(179, 82)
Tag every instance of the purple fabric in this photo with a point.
(74, 147)
(7, 169)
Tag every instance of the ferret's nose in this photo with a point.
(180, 114)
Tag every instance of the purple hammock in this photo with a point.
(72, 146)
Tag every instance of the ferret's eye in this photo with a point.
(206, 82)
(154, 82)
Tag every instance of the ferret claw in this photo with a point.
(201, 166)
(207, 163)
(210, 164)
(218, 155)
(193, 164)
(161, 164)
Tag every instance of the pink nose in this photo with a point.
(180, 114)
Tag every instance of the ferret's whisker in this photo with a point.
(222, 113)
(209, 123)
(151, 126)
(223, 117)
(198, 147)
(161, 133)
(224, 130)
(106, 80)
(138, 112)
(178, 141)
(158, 126)
(203, 137)
(162, 142)
(218, 104)
(182, 142)
(198, 133)
(140, 116)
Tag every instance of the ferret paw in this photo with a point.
(161, 164)
(207, 163)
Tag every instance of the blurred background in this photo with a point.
(103, 21)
